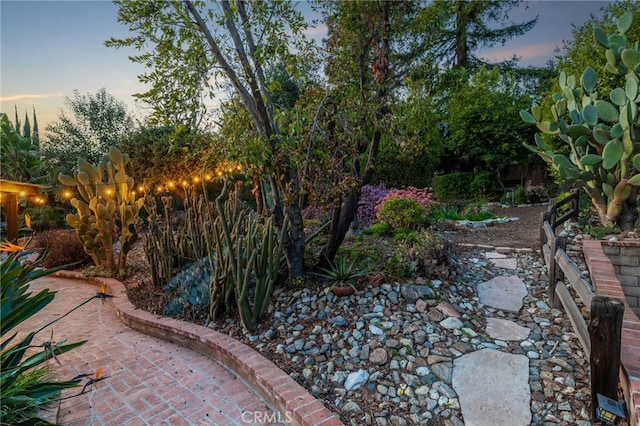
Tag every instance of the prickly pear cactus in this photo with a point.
(105, 210)
(601, 130)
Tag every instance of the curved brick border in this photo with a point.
(606, 283)
(275, 386)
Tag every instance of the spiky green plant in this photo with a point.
(248, 255)
(24, 386)
(341, 273)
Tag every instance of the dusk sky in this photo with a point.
(48, 49)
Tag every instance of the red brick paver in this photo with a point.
(149, 380)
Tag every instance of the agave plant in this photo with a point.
(25, 384)
(342, 273)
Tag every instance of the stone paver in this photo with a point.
(147, 380)
(510, 264)
(493, 388)
(495, 255)
(504, 292)
(506, 330)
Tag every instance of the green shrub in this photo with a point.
(422, 255)
(402, 212)
(484, 183)
(478, 217)
(404, 234)
(45, 217)
(379, 230)
(476, 212)
(363, 250)
(453, 186)
(396, 266)
(444, 211)
(520, 196)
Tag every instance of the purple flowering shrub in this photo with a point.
(370, 196)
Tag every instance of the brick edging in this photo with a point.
(606, 283)
(275, 386)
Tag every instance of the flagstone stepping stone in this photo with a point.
(495, 255)
(504, 292)
(510, 264)
(493, 388)
(506, 330)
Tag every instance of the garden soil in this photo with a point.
(521, 233)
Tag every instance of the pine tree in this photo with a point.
(27, 127)
(463, 27)
(17, 121)
(35, 136)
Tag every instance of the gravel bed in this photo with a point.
(384, 356)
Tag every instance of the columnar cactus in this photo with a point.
(106, 209)
(248, 255)
(602, 134)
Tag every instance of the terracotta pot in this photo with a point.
(346, 290)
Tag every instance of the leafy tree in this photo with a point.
(363, 67)
(198, 48)
(94, 123)
(485, 130)
(19, 160)
(580, 51)
(414, 152)
(161, 154)
(440, 36)
(283, 88)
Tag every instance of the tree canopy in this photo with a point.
(92, 125)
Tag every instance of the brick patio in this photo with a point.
(173, 373)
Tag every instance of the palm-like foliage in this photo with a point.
(25, 385)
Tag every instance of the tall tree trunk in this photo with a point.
(294, 244)
(256, 102)
(344, 216)
(257, 193)
(462, 49)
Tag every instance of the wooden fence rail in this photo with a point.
(560, 270)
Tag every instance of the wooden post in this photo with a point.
(543, 236)
(552, 213)
(605, 331)
(552, 269)
(12, 217)
(561, 244)
(575, 203)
